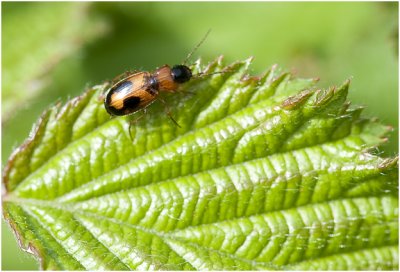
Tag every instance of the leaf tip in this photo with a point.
(322, 97)
(315, 79)
(296, 100)
(345, 86)
(389, 163)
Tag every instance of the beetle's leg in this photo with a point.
(135, 121)
(168, 111)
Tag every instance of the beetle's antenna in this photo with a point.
(197, 46)
(202, 74)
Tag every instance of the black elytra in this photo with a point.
(181, 73)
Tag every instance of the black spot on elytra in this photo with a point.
(131, 102)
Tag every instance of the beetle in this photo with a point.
(138, 90)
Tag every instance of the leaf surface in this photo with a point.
(264, 173)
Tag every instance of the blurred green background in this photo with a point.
(52, 51)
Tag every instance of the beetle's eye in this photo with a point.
(181, 73)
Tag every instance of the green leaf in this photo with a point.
(263, 173)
